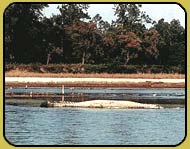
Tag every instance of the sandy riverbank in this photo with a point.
(90, 80)
(104, 104)
(95, 82)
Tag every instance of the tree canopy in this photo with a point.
(72, 37)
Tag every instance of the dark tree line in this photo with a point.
(72, 36)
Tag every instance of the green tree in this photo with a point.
(129, 44)
(172, 43)
(177, 50)
(86, 39)
(70, 14)
(130, 25)
(109, 48)
(131, 18)
(102, 25)
(21, 31)
(149, 44)
(52, 39)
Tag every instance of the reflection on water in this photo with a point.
(150, 96)
(75, 126)
(158, 93)
(97, 90)
(32, 125)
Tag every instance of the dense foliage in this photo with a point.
(73, 37)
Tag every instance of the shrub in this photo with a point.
(89, 68)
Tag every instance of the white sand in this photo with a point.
(86, 80)
(104, 104)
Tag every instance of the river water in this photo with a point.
(77, 126)
(160, 91)
(111, 93)
(28, 125)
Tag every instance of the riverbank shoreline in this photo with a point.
(24, 73)
(94, 82)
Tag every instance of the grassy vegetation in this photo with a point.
(89, 68)
(24, 73)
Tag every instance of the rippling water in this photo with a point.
(77, 126)
(162, 91)
(111, 93)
